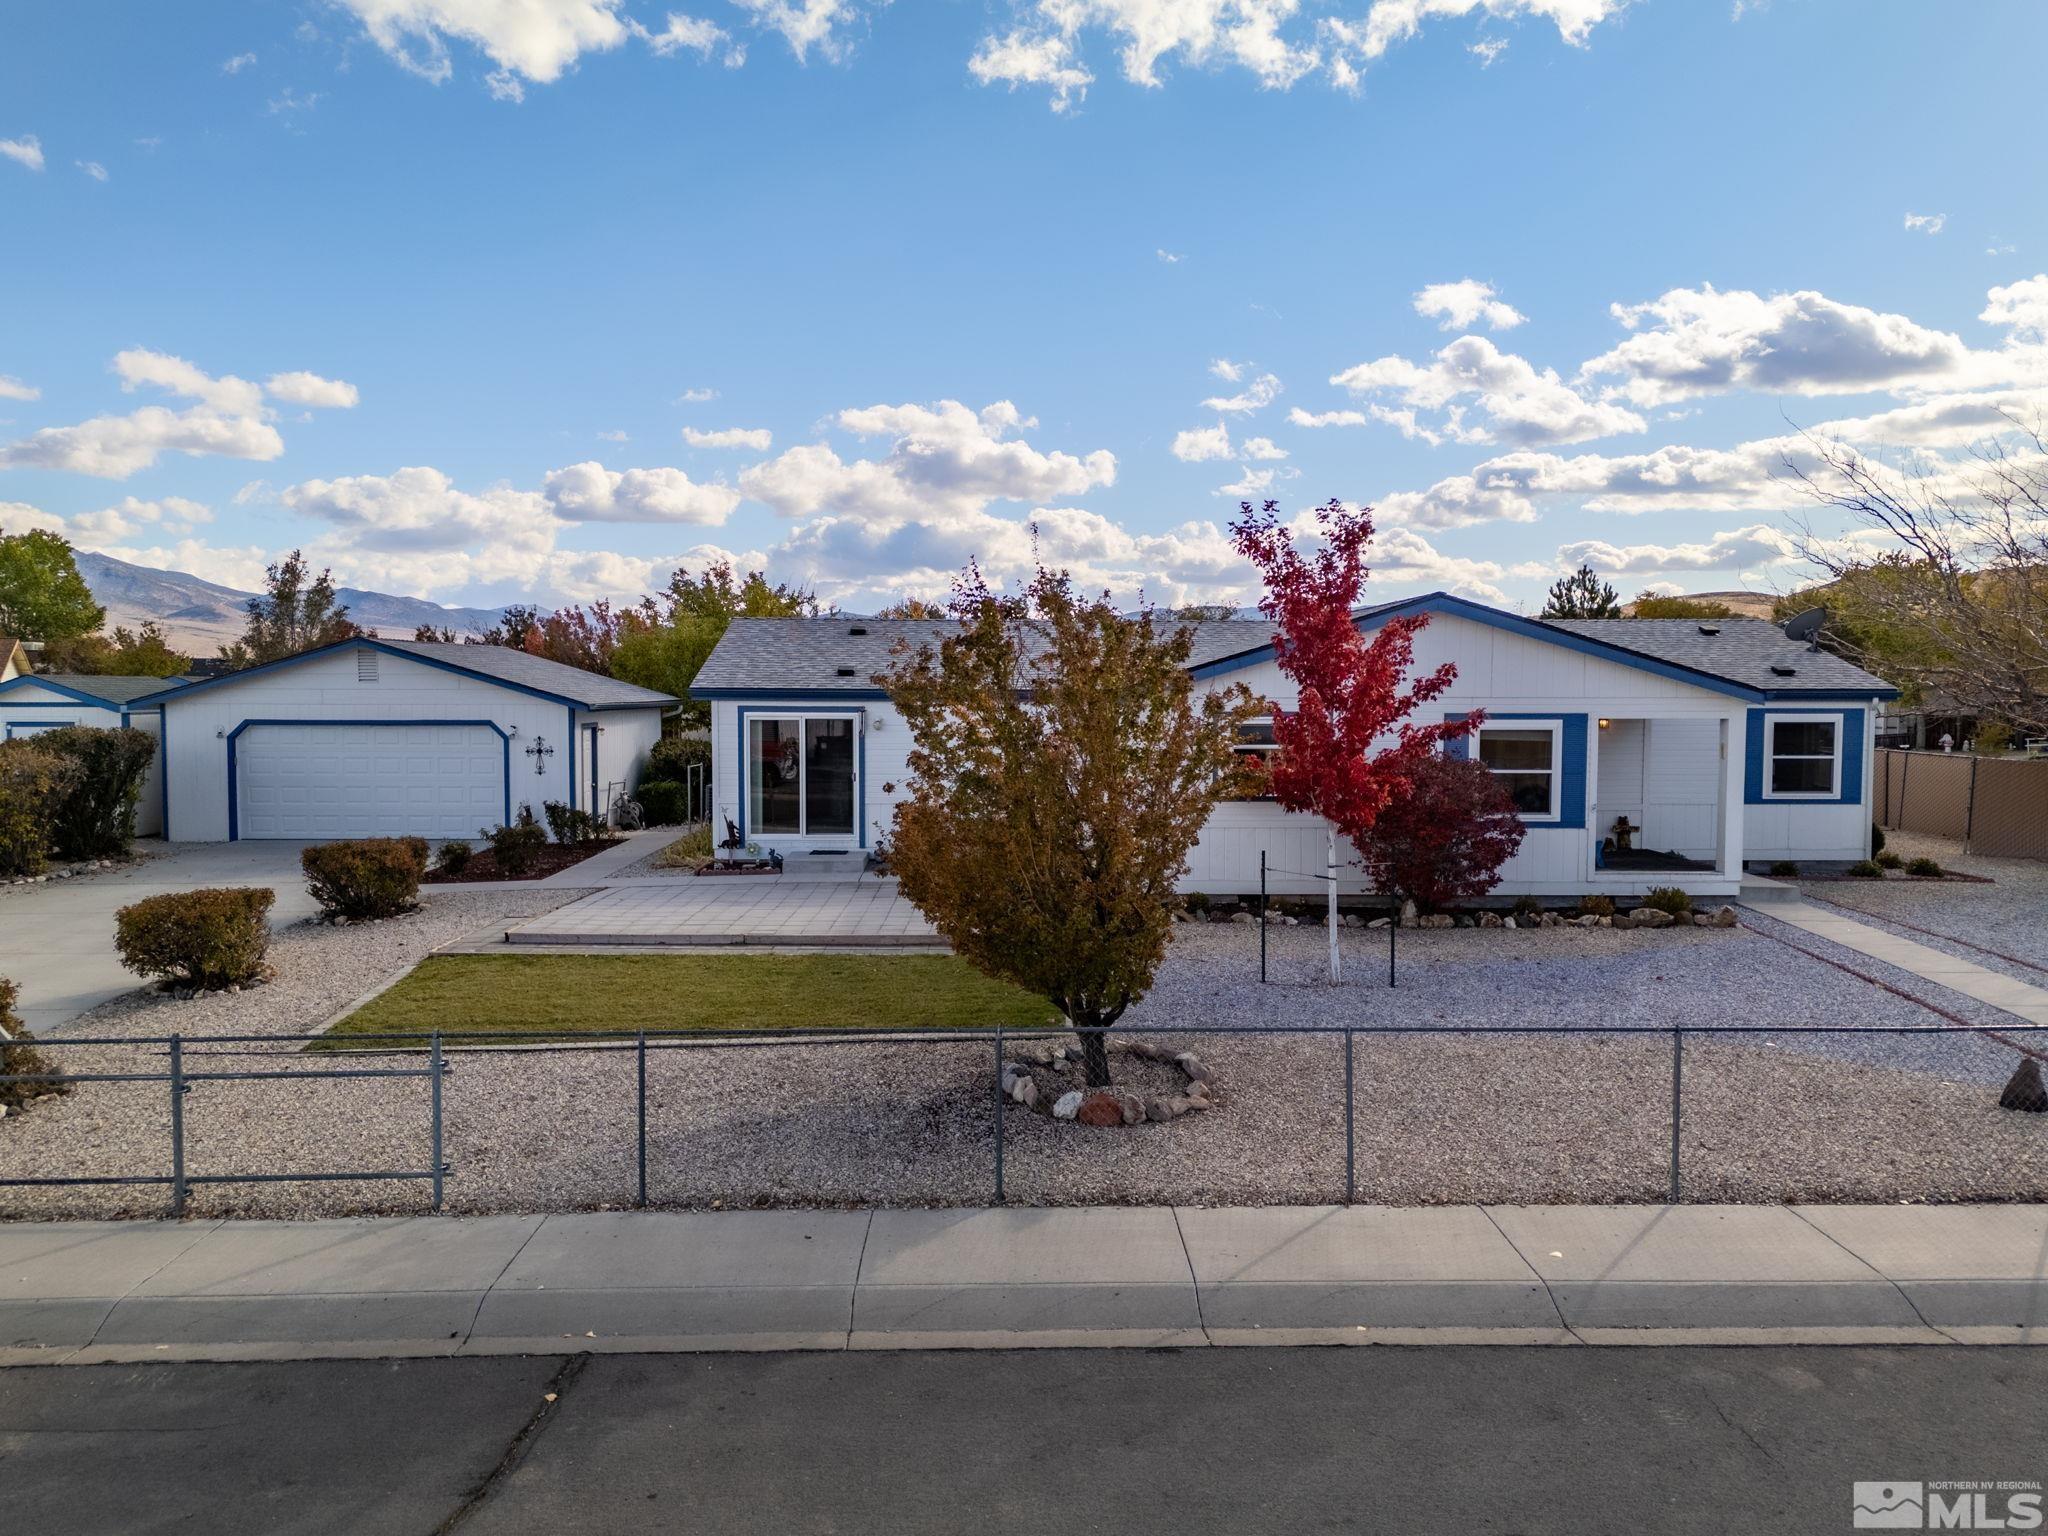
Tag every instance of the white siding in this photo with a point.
(328, 687)
(16, 720)
(880, 754)
(624, 738)
(1681, 787)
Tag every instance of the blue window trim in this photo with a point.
(590, 746)
(234, 784)
(1571, 781)
(23, 727)
(572, 756)
(163, 779)
(1855, 726)
(364, 643)
(860, 799)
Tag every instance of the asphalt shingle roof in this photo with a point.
(826, 655)
(115, 690)
(1743, 651)
(590, 689)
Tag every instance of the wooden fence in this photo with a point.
(1997, 806)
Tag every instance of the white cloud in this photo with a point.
(26, 150)
(1229, 372)
(614, 436)
(1465, 303)
(310, 389)
(680, 32)
(1698, 341)
(289, 101)
(1520, 403)
(92, 168)
(231, 567)
(533, 39)
(18, 517)
(109, 525)
(589, 492)
(1735, 549)
(1255, 396)
(1487, 50)
(696, 396)
(1019, 57)
(1403, 557)
(756, 438)
(1926, 223)
(237, 64)
(1250, 483)
(139, 366)
(12, 388)
(1263, 448)
(1170, 258)
(945, 462)
(1300, 418)
(1198, 445)
(807, 24)
(115, 447)
(414, 529)
(2023, 306)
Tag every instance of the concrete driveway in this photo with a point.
(57, 939)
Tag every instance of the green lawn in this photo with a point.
(530, 997)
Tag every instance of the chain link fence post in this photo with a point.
(440, 1166)
(1000, 1096)
(1350, 1116)
(641, 1066)
(1677, 1103)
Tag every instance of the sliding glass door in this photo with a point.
(802, 775)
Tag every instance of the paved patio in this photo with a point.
(737, 909)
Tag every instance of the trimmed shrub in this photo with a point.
(1596, 906)
(453, 858)
(97, 818)
(366, 876)
(1444, 837)
(33, 784)
(18, 1055)
(516, 849)
(1876, 838)
(673, 757)
(1785, 869)
(1889, 860)
(207, 938)
(1669, 898)
(1196, 903)
(663, 802)
(1864, 869)
(1926, 869)
(1525, 907)
(571, 827)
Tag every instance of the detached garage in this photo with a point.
(383, 738)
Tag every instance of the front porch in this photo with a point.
(1664, 803)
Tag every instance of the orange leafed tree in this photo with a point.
(1061, 767)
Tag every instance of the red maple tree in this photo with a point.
(1349, 746)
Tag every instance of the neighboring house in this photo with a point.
(1720, 742)
(371, 737)
(13, 659)
(30, 703)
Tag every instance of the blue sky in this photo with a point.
(1543, 279)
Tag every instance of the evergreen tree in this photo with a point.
(1581, 595)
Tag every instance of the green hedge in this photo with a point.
(97, 818)
(673, 757)
(367, 876)
(207, 938)
(516, 849)
(663, 802)
(34, 782)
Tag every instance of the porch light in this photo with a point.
(1604, 723)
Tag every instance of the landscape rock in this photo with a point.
(1243, 917)
(1191, 1065)
(1378, 922)
(1100, 1108)
(1489, 919)
(2024, 1090)
(1067, 1105)
(1408, 914)
(1590, 920)
(1726, 918)
(1507, 922)
(1436, 920)
(1159, 1111)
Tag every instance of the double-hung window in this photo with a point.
(1802, 757)
(1256, 749)
(1523, 757)
(801, 772)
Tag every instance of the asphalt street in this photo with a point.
(1380, 1439)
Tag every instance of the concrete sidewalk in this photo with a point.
(1137, 1277)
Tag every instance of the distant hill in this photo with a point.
(1749, 605)
(201, 616)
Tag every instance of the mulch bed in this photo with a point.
(552, 859)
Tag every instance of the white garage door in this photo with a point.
(322, 781)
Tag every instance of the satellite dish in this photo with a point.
(1806, 626)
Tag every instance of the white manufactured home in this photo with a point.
(31, 702)
(1639, 752)
(376, 738)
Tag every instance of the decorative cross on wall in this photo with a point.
(540, 752)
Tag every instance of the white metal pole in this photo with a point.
(1330, 893)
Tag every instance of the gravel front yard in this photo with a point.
(1439, 1119)
(2010, 915)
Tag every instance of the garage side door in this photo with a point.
(326, 781)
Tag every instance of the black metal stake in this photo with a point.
(1677, 1082)
(440, 1168)
(1393, 927)
(1262, 916)
(641, 1198)
(1000, 1096)
(1350, 1114)
(177, 1126)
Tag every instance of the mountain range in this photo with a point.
(200, 616)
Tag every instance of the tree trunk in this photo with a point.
(1330, 889)
(1095, 1057)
